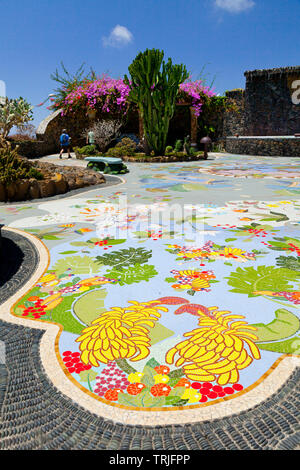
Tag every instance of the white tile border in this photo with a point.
(52, 368)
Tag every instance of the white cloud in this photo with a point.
(119, 36)
(235, 6)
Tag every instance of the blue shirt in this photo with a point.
(64, 139)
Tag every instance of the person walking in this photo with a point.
(90, 138)
(65, 140)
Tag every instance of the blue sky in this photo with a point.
(227, 36)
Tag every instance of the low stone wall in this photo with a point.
(270, 146)
(163, 159)
(35, 148)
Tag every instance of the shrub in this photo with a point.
(180, 154)
(129, 136)
(105, 132)
(193, 152)
(127, 142)
(120, 152)
(20, 138)
(24, 133)
(139, 155)
(34, 173)
(125, 148)
(105, 94)
(169, 150)
(86, 150)
(178, 146)
(12, 167)
(114, 152)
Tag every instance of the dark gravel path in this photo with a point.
(35, 415)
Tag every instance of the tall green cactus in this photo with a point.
(154, 86)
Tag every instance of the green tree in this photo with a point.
(154, 85)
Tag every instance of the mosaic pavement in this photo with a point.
(145, 315)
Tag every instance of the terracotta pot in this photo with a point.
(22, 190)
(34, 189)
(2, 192)
(11, 191)
(47, 188)
(91, 113)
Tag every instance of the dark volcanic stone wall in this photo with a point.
(35, 148)
(234, 119)
(268, 102)
(271, 147)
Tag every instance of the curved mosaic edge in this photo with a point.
(277, 375)
(39, 417)
(20, 269)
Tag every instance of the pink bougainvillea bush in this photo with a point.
(111, 96)
(108, 94)
(197, 92)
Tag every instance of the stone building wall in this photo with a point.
(234, 119)
(268, 102)
(51, 128)
(266, 109)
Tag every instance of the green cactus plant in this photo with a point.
(14, 112)
(154, 86)
(12, 167)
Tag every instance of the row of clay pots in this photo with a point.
(23, 190)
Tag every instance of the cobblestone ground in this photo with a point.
(35, 415)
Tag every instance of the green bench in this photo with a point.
(107, 165)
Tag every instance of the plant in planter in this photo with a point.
(87, 150)
(125, 148)
(14, 171)
(178, 146)
(180, 154)
(169, 150)
(12, 167)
